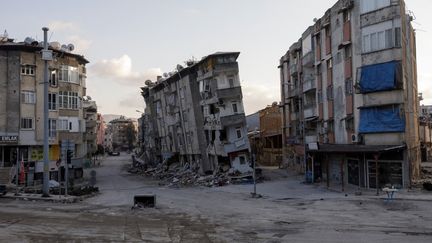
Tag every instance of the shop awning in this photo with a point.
(355, 148)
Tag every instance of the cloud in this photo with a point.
(425, 87)
(120, 70)
(257, 97)
(80, 44)
(63, 26)
(133, 101)
(71, 33)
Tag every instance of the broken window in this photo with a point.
(242, 160)
(222, 135)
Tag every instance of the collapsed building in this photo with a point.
(349, 97)
(195, 116)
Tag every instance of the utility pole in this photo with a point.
(17, 172)
(46, 56)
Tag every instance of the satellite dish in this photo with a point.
(165, 75)
(179, 67)
(71, 47)
(148, 82)
(55, 45)
(28, 40)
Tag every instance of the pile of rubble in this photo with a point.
(176, 175)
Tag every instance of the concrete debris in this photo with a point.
(176, 175)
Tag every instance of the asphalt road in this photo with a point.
(288, 212)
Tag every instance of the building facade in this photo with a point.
(195, 115)
(121, 134)
(91, 122)
(21, 107)
(349, 97)
(270, 133)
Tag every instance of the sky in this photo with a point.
(130, 41)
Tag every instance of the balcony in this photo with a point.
(234, 92)
(383, 98)
(293, 92)
(309, 59)
(309, 84)
(232, 119)
(90, 123)
(237, 145)
(310, 111)
(294, 116)
(293, 69)
(90, 136)
(311, 139)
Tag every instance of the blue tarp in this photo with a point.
(379, 77)
(381, 119)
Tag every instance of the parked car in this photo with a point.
(114, 153)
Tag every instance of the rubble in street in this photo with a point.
(176, 175)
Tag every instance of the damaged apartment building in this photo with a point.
(349, 97)
(22, 102)
(195, 115)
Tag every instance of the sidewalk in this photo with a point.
(38, 197)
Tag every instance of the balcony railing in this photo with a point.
(309, 59)
(293, 92)
(310, 111)
(233, 119)
(309, 85)
(234, 92)
(293, 68)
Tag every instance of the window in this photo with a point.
(329, 63)
(158, 109)
(388, 38)
(346, 16)
(349, 86)
(330, 92)
(234, 107)
(374, 42)
(68, 100)
(28, 97)
(349, 124)
(26, 123)
(231, 81)
(381, 40)
(62, 125)
(242, 160)
(330, 126)
(28, 70)
(52, 131)
(53, 78)
(52, 101)
(238, 132)
(69, 74)
(397, 33)
(369, 6)
(348, 52)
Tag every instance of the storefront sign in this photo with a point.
(8, 139)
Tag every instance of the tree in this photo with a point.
(130, 135)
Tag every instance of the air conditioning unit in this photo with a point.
(356, 138)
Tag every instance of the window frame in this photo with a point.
(27, 121)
